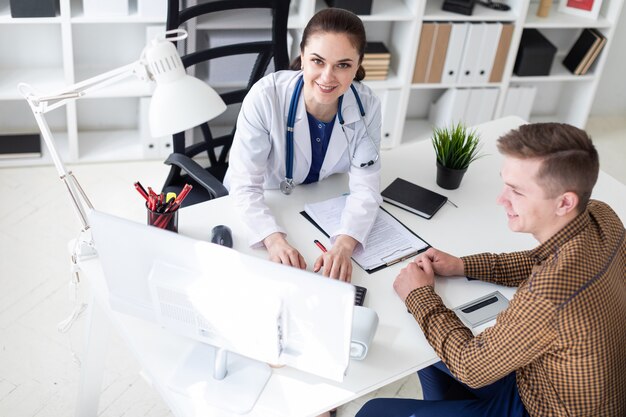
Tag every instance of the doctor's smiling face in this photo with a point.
(329, 64)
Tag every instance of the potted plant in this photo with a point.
(456, 147)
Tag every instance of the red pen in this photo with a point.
(319, 245)
(142, 191)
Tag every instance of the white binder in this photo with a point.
(487, 52)
(449, 108)
(454, 53)
(488, 99)
(519, 101)
(525, 103)
(469, 62)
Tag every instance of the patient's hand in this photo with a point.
(443, 264)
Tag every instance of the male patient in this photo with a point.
(559, 349)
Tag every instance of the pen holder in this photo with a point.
(167, 221)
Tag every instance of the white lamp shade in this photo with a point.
(182, 104)
(179, 101)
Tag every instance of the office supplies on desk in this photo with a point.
(221, 235)
(254, 308)
(389, 240)
(413, 198)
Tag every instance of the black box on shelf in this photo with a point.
(34, 8)
(535, 54)
(465, 7)
(20, 146)
(355, 6)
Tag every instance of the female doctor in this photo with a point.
(303, 125)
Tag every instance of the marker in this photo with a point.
(319, 245)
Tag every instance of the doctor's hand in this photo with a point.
(414, 276)
(336, 263)
(443, 263)
(282, 252)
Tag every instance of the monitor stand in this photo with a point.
(242, 379)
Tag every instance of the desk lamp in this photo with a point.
(179, 102)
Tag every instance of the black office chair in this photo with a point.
(207, 181)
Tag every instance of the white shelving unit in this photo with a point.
(50, 53)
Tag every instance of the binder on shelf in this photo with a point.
(519, 101)
(438, 52)
(454, 53)
(413, 198)
(502, 53)
(449, 108)
(593, 57)
(25, 145)
(422, 62)
(469, 62)
(487, 51)
(488, 105)
(480, 105)
(584, 49)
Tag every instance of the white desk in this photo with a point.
(399, 347)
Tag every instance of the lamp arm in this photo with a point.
(47, 103)
(41, 104)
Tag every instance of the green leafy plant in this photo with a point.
(456, 146)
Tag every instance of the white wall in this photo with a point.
(610, 97)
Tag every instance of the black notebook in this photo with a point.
(413, 198)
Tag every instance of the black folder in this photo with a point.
(413, 198)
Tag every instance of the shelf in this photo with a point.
(433, 12)
(62, 147)
(238, 20)
(557, 20)
(43, 80)
(110, 145)
(131, 18)
(382, 10)
(52, 53)
(7, 19)
(427, 86)
(130, 87)
(558, 73)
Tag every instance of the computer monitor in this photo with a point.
(261, 312)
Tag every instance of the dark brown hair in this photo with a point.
(569, 159)
(334, 20)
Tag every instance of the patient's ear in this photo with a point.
(567, 203)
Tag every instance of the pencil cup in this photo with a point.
(167, 221)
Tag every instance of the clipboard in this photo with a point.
(384, 264)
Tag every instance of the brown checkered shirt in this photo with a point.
(564, 332)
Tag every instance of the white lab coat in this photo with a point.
(257, 157)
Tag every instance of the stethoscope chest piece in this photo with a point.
(287, 186)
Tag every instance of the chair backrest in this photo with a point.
(261, 54)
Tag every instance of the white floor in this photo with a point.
(39, 370)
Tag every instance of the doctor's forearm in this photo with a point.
(345, 242)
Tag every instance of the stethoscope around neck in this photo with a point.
(287, 185)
